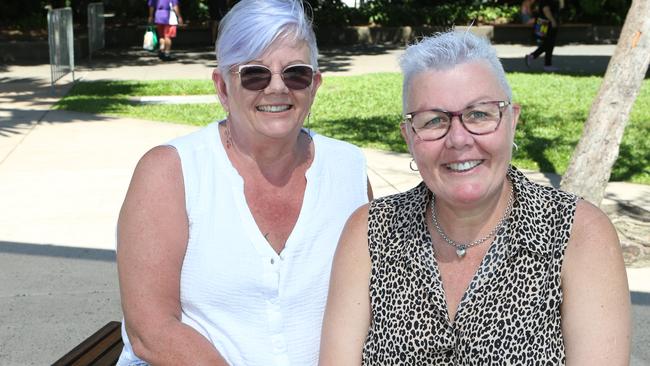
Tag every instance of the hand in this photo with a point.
(150, 19)
(553, 23)
(180, 20)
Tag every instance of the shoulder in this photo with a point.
(160, 164)
(592, 230)
(542, 216)
(354, 238)
(402, 200)
(199, 137)
(398, 209)
(534, 197)
(335, 146)
(342, 157)
(593, 242)
(359, 218)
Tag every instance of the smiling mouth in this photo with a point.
(273, 108)
(464, 166)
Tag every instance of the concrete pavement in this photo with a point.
(63, 176)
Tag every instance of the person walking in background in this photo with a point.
(217, 9)
(166, 15)
(549, 16)
(527, 12)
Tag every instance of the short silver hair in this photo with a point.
(446, 50)
(251, 26)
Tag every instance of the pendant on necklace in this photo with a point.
(460, 251)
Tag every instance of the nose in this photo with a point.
(276, 85)
(458, 136)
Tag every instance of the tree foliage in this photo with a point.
(31, 13)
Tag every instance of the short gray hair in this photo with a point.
(444, 51)
(251, 26)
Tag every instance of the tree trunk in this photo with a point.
(591, 163)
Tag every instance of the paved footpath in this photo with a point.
(63, 176)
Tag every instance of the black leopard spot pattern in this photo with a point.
(510, 313)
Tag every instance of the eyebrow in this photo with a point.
(259, 62)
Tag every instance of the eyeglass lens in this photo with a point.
(296, 77)
(478, 119)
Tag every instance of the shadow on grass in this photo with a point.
(544, 139)
(104, 88)
(381, 132)
(94, 105)
(631, 161)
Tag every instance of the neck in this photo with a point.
(466, 225)
(275, 159)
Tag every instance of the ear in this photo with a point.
(315, 84)
(221, 87)
(516, 110)
(404, 130)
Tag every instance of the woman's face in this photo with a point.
(461, 168)
(275, 111)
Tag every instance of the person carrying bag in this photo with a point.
(545, 28)
(166, 15)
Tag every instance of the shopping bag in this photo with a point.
(540, 28)
(150, 42)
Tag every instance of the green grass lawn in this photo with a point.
(366, 109)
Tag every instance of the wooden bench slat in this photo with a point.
(97, 350)
(103, 344)
(111, 356)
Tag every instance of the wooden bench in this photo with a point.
(102, 348)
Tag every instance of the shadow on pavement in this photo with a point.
(51, 298)
(640, 298)
(57, 251)
(330, 58)
(582, 65)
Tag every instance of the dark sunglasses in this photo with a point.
(258, 77)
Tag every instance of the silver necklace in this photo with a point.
(461, 248)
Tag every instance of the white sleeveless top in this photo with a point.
(255, 306)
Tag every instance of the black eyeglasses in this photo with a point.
(478, 119)
(258, 77)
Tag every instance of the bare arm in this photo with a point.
(596, 320)
(152, 239)
(549, 15)
(370, 194)
(347, 315)
(151, 12)
(177, 10)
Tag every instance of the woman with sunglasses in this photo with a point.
(226, 236)
(477, 265)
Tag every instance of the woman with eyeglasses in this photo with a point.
(226, 236)
(477, 265)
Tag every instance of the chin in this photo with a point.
(468, 193)
(281, 131)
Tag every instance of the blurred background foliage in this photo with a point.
(31, 14)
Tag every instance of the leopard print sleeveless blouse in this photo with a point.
(510, 312)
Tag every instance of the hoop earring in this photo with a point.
(514, 144)
(411, 164)
(307, 126)
(227, 132)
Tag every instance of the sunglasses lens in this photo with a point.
(255, 77)
(297, 77)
